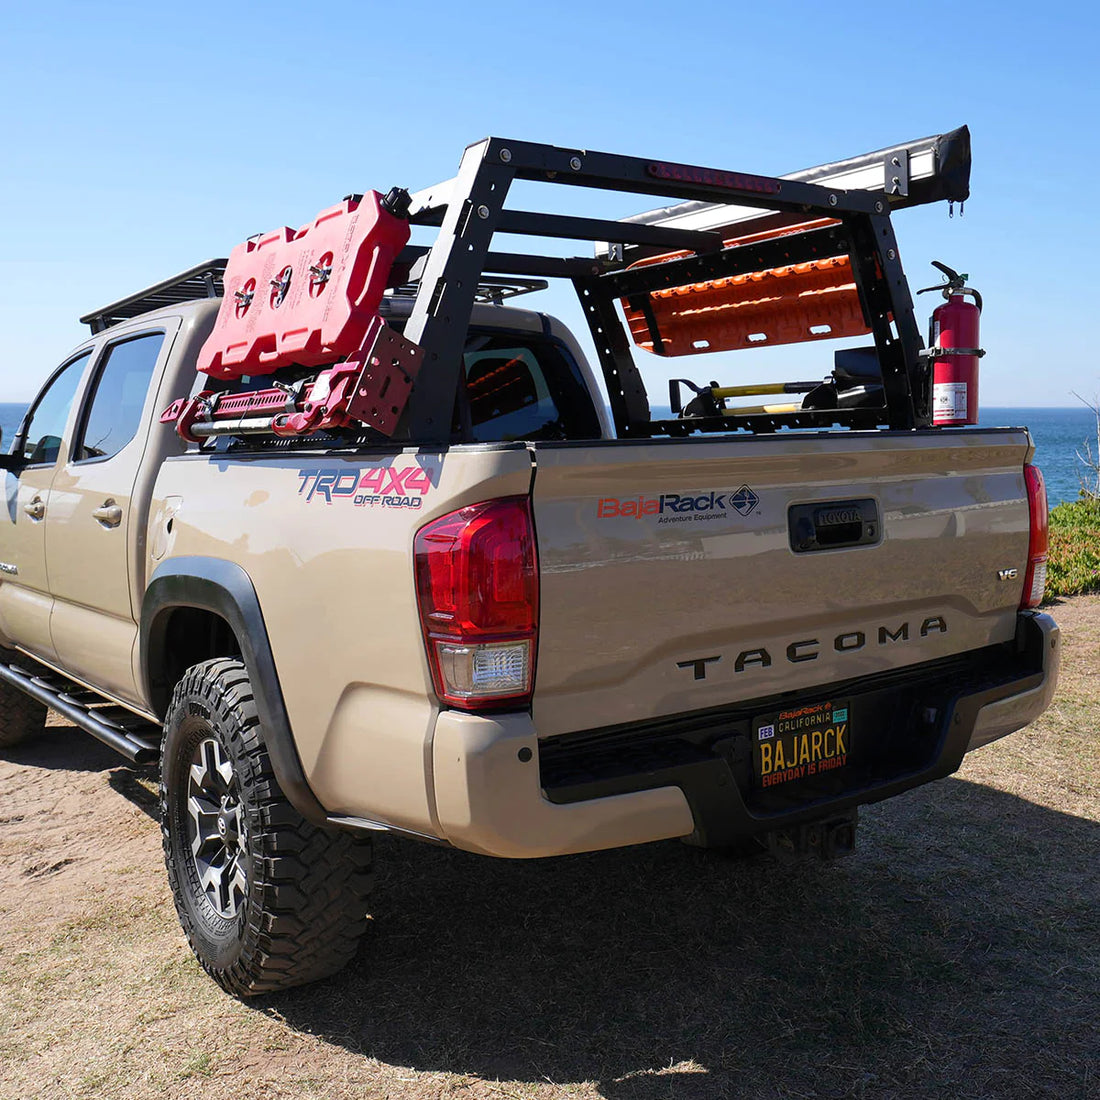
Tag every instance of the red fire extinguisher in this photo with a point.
(953, 348)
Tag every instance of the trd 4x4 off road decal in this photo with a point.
(680, 507)
(380, 486)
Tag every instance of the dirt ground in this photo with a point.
(955, 954)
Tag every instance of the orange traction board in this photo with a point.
(816, 300)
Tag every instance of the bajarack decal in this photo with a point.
(680, 507)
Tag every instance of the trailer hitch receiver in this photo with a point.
(828, 838)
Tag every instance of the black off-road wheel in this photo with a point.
(20, 715)
(267, 900)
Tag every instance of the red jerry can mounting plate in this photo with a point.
(305, 296)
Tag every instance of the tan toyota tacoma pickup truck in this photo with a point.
(495, 613)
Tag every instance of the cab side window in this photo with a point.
(508, 395)
(524, 391)
(45, 424)
(118, 397)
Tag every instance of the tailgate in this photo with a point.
(670, 581)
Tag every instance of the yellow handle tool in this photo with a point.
(761, 388)
(758, 410)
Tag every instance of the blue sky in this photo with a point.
(140, 139)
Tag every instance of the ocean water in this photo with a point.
(1058, 433)
(10, 416)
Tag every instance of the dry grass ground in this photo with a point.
(956, 954)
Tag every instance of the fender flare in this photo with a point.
(224, 588)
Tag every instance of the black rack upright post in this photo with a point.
(625, 389)
(880, 280)
(448, 288)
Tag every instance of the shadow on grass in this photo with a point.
(955, 953)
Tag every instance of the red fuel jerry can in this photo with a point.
(306, 296)
(953, 348)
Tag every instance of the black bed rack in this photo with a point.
(470, 208)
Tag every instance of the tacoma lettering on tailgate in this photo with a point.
(809, 649)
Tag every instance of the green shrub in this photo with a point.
(1074, 564)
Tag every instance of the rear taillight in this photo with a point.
(477, 584)
(1035, 579)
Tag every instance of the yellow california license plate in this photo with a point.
(801, 742)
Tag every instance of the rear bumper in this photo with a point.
(501, 791)
(489, 798)
(1005, 715)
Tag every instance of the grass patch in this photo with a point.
(1073, 568)
(199, 1065)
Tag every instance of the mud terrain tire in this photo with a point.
(266, 899)
(20, 715)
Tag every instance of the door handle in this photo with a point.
(36, 509)
(108, 514)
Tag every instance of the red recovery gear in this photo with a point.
(953, 346)
(371, 388)
(308, 296)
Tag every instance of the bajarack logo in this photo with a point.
(680, 507)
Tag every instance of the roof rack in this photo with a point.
(205, 281)
(202, 281)
(491, 289)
